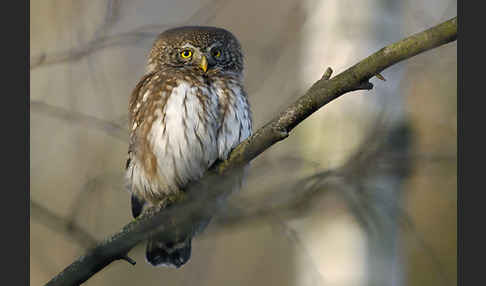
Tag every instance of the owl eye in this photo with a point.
(216, 53)
(185, 54)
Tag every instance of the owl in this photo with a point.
(189, 110)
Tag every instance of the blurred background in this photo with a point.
(362, 193)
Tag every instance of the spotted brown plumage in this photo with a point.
(188, 110)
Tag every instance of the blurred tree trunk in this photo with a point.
(384, 263)
(346, 31)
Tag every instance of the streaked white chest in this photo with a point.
(184, 139)
(196, 126)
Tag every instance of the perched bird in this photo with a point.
(188, 111)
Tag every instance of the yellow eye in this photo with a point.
(217, 53)
(186, 54)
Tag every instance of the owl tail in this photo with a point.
(160, 253)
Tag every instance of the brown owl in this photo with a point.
(188, 110)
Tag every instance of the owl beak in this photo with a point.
(204, 63)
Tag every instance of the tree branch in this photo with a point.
(111, 129)
(56, 223)
(201, 204)
(101, 41)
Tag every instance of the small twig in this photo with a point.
(327, 74)
(379, 76)
(128, 259)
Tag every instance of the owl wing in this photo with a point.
(133, 113)
(136, 202)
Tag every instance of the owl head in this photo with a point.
(197, 49)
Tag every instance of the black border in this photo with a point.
(460, 18)
(27, 146)
(459, 140)
(15, 150)
(470, 117)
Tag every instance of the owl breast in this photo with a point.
(182, 130)
(184, 137)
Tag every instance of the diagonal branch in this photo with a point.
(201, 204)
(56, 223)
(112, 129)
(101, 41)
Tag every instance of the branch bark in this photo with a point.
(198, 205)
